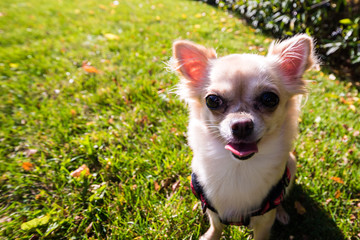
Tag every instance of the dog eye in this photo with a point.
(269, 99)
(213, 102)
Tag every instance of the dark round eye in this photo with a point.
(213, 102)
(269, 99)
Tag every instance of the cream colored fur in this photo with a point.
(235, 187)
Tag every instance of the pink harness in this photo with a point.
(272, 200)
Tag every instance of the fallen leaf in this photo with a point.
(27, 166)
(299, 208)
(13, 65)
(352, 107)
(78, 218)
(346, 101)
(89, 69)
(337, 194)
(195, 206)
(328, 200)
(73, 112)
(188, 178)
(88, 229)
(337, 179)
(30, 152)
(157, 186)
(35, 223)
(111, 36)
(175, 186)
(83, 169)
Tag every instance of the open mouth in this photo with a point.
(242, 151)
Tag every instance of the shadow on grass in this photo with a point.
(315, 224)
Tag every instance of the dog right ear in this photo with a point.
(294, 56)
(191, 61)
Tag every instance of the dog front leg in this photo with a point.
(216, 227)
(262, 225)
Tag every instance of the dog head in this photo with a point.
(242, 98)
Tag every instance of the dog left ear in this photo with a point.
(294, 56)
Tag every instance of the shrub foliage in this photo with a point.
(334, 24)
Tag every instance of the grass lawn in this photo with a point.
(84, 82)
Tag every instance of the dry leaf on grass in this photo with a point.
(89, 228)
(27, 166)
(175, 186)
(337, 194)
(337, 179)
(30, 152)
(83, 169)
(195, 206)
(157, 186)
(89, 69)
(111, 36)
(73, 112)
(328, 200)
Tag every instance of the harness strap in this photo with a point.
(271, 201)
(197, 190)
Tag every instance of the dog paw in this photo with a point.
(211, 235)
(204, 237)
(282, 216)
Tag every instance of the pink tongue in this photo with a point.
(242, 149)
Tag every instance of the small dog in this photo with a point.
(243, 120)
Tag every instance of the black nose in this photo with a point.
(242, 128)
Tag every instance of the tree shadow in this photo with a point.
(314, 224)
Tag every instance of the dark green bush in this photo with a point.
(334, 24)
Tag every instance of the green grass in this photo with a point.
(127, 127)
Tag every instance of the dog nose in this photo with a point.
(242, 128)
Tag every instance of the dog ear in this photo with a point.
(191, 61)
(294, 56)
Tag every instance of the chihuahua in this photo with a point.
(243, 119)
